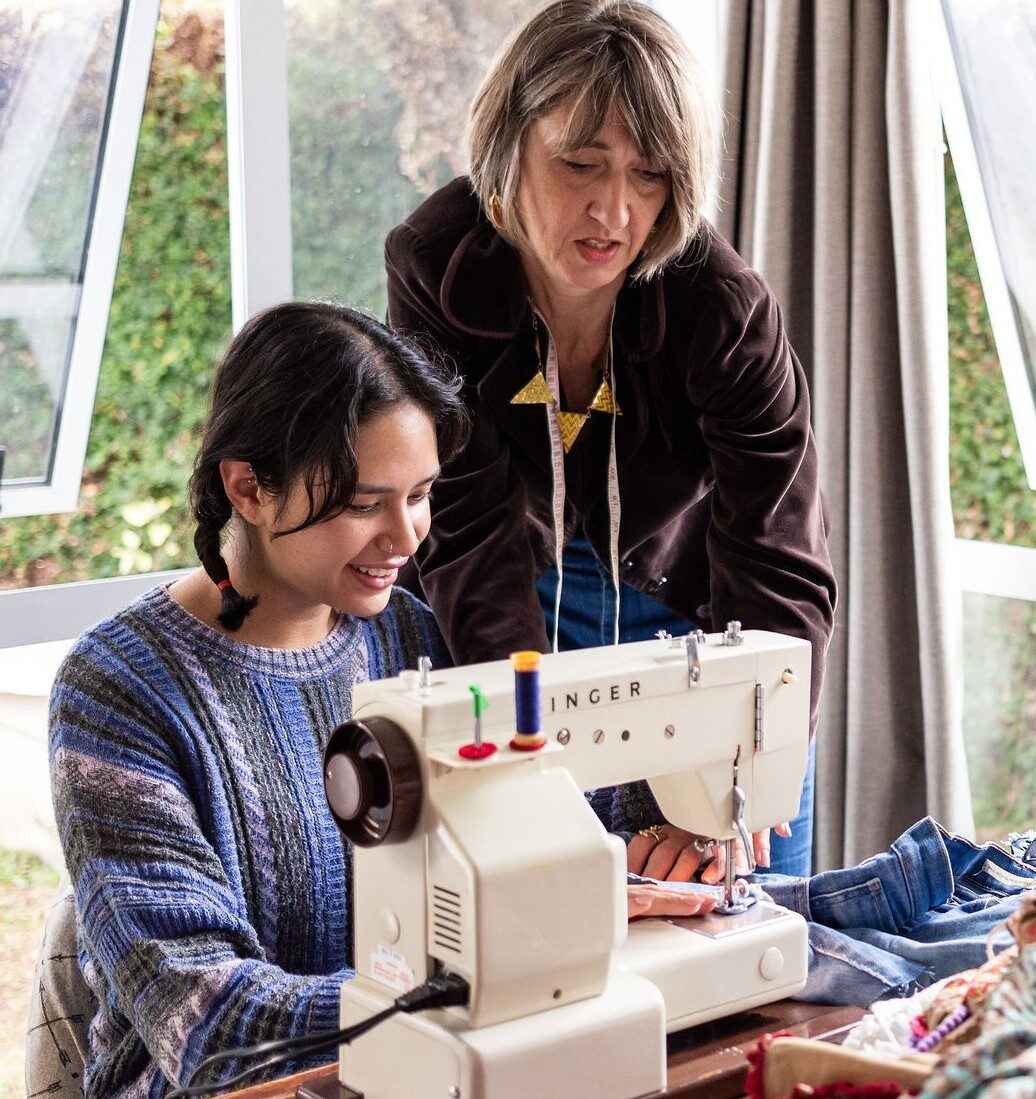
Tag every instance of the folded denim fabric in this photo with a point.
(895, 923)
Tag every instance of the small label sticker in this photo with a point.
(390, 968)
(1005, 877)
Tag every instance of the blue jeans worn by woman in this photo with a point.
(587, 617)
(899, 921)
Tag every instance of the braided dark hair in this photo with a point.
(289, 395)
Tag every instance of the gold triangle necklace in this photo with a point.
(537, 391)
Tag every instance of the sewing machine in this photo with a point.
(495, 867)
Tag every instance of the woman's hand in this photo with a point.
(669, 853)
(656, 900)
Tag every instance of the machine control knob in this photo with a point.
(771, 964)
(372, 779)
(733, 635)
(390, 928)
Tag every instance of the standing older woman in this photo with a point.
(642, 456)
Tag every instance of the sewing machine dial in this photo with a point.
(372, 779)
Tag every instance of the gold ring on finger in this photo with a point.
(655, 832)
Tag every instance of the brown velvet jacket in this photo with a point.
(721, 510)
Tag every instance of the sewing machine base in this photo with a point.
(610, 1046)
(712, 966)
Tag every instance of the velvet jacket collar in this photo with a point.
(483, 259)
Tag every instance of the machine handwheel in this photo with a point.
(372, 779)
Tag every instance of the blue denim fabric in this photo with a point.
(588, 604)
(903, 919)
(794, 855)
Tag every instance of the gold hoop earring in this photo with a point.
(493, 211)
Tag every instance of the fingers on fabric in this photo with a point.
(666, 853)
(656, 900)
(783, 830)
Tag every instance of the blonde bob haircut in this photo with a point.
(597, 56)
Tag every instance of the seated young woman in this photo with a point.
(212, 888)
(211, 883)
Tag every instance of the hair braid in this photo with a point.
(212, 511)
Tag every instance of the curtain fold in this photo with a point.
(832, 188)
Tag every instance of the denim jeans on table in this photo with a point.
(899, 921)
(587, 618)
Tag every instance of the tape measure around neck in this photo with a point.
(557, 466)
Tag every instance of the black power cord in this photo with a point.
(442, 990)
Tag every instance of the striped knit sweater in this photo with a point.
(211, 884)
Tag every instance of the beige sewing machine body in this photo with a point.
(497, 869)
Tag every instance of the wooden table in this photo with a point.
(705, 1062)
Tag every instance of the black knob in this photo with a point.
(372, 779)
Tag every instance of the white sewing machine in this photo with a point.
(497, 868)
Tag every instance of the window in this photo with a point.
(169, 314)
(72, 80)
(992, 297)
(989, 84)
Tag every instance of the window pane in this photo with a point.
(994, 45)
(992, 501)
(1000, 712)
(169, 318)
(378, 98)
(33, 352)
(57, 58)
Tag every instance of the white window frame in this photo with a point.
(258, 155)
(994, 568)
(983, 240)
(60, 491)
(57, 612)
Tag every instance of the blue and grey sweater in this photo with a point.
(211, 884)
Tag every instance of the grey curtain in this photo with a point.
(833, 189)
